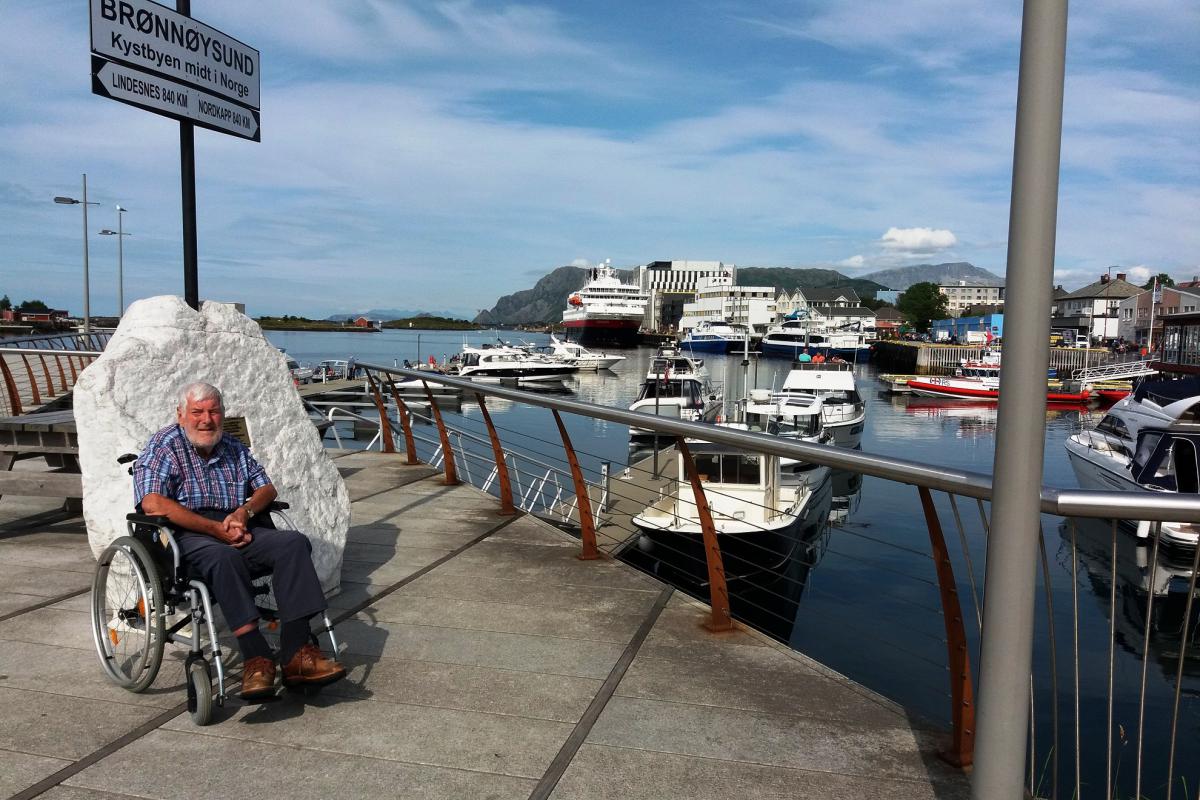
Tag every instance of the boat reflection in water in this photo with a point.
(846, 488)
(1139, 576)
(970, 418)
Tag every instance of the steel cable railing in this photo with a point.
(1044, 751)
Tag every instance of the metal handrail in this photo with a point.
(1062, 502)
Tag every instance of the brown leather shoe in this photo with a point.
(258, 679)
(309, 667)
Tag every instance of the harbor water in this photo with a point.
(861, 595)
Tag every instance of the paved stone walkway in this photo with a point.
(487, 662)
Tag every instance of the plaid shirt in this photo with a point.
(171, 467)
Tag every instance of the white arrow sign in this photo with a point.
(172, 99)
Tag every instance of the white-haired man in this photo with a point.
(210, 487)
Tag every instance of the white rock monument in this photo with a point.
(131, 391)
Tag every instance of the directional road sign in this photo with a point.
(172, 99)
(157, 39)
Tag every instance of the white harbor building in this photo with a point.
(718, 299)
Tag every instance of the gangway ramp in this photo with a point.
(1115, 372)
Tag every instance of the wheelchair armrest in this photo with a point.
(278, 505)
(126, 458)
(146, 519)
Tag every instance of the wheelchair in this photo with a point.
(140, 581)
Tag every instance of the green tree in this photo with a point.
(1163, 280)
(34, 306)
(5, 303)
(875, 305)
(922, 303)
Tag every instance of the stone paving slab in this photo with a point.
(559, 698)
(465, 682)
(299, 773)
(25, 579)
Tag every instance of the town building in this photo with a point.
(888, 295)
(888, 322)
(1135, 312)
(718, 299)
(672, 284)
(962, 296)
(1093, 310)
(832, 308)
(968, 330)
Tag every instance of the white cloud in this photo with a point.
(854, 262)
(918, 240)
(1139, 275)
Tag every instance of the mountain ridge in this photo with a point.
(949, 273)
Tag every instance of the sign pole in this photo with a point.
(187, 177)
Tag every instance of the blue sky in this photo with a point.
(438, 155)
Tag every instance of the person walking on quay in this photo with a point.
(208, 485)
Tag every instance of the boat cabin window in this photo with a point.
(727, 467)
(470, 360)
(688, 390)
(808, 425)
(1113, 425)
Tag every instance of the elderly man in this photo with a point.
(211, 489)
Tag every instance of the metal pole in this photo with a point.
(1007, 643)
(120, 262)
(87, 294)
(187, 180)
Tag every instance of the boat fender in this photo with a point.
(718, 419)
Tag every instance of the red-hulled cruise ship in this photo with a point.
(605, 310)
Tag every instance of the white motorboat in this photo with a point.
(716, 336)
(606, 310)
(495, 364)
(796, 336)
(843, 410)
(796, 417)
(757, 518)
(677, 386)
(580, 356)
(1147, 442)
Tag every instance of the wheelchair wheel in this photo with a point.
(127, 614)
(200, 692)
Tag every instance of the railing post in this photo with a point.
(506, 495)
(447, 453)
(62, 374)
(385, 426)
(49, 380)
(1006, 650)
(410, 447)
(962, 712)
(14, 397)
(587, 527)
(37, 396)
(718, 592)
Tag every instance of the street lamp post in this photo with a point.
(120, 234)
(71, 201)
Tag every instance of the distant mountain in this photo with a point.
(386, 314)
(942, 274)
(544, 302)
(789, 279)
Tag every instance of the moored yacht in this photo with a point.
(605, 310)
(796, 417)
(757, 518)
(716, 336)
(1149, 441)
(580, 356)
(843, 411)
(509, 363)
(677, 386)
(796, 336)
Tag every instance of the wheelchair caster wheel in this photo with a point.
(200, 693)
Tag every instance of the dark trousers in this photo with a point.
(228, 572)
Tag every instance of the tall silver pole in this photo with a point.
(87, 294)
(120, 262)
(1007, 642)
